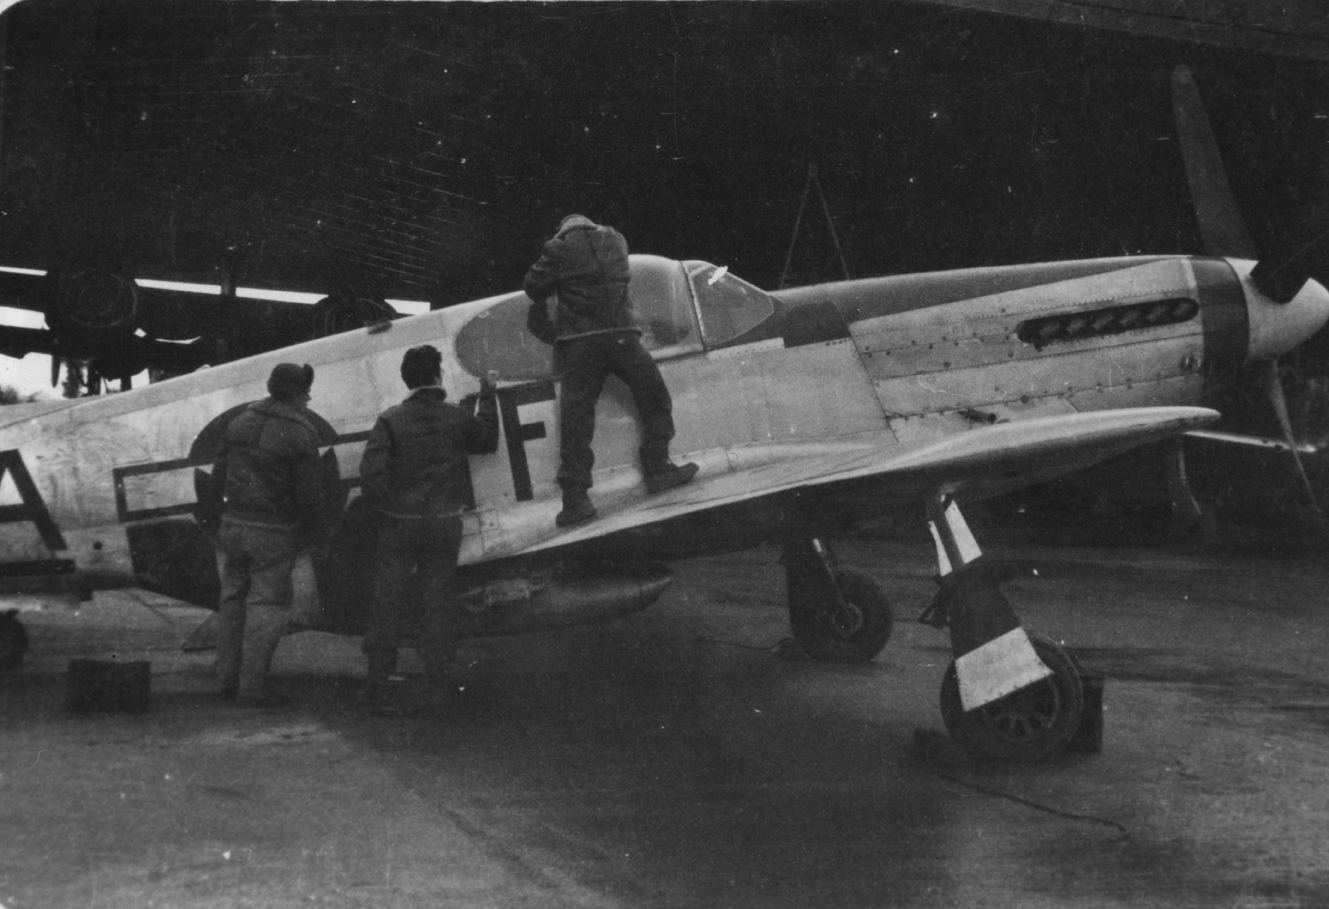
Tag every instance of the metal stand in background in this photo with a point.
(812, 181)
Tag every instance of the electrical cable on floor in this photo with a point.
(715, 639)
(786, 649)
(1047, 809)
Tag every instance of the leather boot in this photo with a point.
(577, 508)
(667, 476)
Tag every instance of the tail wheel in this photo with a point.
(854, 634)
(1032, 724)
(13, 640)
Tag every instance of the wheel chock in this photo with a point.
(106, 686)
(1088, 738)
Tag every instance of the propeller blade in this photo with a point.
(1222, 228)
(1273, 383)
(55, 370)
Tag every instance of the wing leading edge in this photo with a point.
(974, 464)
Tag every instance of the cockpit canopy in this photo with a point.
(680, 307)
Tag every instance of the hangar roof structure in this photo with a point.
(424, 150)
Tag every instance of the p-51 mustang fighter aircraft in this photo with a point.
(807, 409)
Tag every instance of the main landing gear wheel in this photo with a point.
(13, 640)
(1032, 724)
(854, 634)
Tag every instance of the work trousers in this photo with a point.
(427, 548)
(585, 364)
(255, 563)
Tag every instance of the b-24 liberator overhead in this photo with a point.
(120, 325)
(807, 410)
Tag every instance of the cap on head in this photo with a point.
(289, 381)
(575, 220)
(421, 366)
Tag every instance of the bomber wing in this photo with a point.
(974, 464)
(122, 326)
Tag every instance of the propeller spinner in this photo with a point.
(1284, 306)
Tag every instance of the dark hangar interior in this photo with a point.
(422, 151)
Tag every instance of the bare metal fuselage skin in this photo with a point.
(102, 490)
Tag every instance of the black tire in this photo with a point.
(13, 641)
(1032, 724)
(823, 632)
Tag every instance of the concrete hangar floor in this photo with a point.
(672, 759)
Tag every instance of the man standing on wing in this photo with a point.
(416, 475)
(586, 266)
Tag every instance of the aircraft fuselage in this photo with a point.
(103, 489)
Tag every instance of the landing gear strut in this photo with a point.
(1008, 695)
(835, 614)
(13, 640)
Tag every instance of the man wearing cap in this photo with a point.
(586, 266)
(273, 508)
(416, 475)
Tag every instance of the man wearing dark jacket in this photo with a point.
(273, 507)
(416, 475)
(586, 266)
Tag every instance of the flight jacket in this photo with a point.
(268, 470)
(586, 265)
(415, 464)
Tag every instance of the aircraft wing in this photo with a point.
(973, 464)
